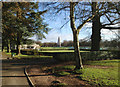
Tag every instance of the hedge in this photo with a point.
(93, 55)
(69, 56)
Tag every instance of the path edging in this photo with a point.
(28, 78)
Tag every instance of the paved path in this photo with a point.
(11, 73)
(13, 70)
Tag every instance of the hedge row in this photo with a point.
(93, 55)
(69, 56)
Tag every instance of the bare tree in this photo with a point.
(110, 12)
(78, 18)
(80, 13)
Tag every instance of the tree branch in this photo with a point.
(62, 8)
(72, 18)
(109, 19)
(80, 26)
(64, 24)
(110, 24)
(111, 28)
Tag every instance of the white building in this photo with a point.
(59, 42)
(32, 46)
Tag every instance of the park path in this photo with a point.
(41, 78)
(11, 74)
(12, 71)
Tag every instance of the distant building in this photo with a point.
(0, 41)
(59, 42)
(32, 46)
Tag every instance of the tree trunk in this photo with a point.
(8, 47)
(2, 47)
(18, 33)
(18, 44)
(78, 58)
(96, 28)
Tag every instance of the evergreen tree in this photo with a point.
(22, 20)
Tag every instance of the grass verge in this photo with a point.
(104, 63)
(31, 56)
(100, 76)
(95, 76)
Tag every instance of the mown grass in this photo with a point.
(100, 76)
(58, 51)
(54, 47)
(31, 56)
(97, 76)
(104, 62)
(62, 73)
(8, 53)
(53, 51)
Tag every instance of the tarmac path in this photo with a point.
(13, 74)
(12, 70)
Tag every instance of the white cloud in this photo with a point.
(108, 34)
(89, 24)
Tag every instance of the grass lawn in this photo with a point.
(105, 63)
(52, 51)
(8, 53)
(54, 47)
(31, 56)
(100, 76)
(93, 75)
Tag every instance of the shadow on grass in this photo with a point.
(79, 77)
(28, 60)
(107, 61)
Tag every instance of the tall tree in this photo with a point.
(80, 13)
(109, 10)
(76, 11)
(96, 34)
(76, 31)
(24, 21)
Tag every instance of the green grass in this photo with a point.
(104, 62)
(52, 51)
(108, 76)
(62, 73)
(58, 51)
(100, 76)
(54, 47)
(96, 76)
(8, 53)
(61, 85)
(31, 56)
